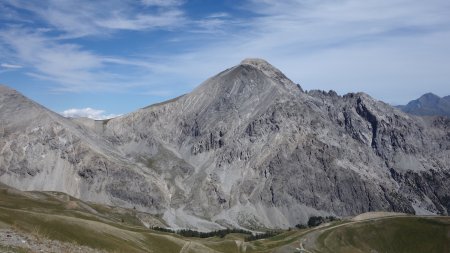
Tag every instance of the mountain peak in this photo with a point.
(429, 96)
(270, 71)
(256, 62)
(428, 104)
(261, 64)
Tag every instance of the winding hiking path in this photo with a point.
(302, 249)
(185, 248)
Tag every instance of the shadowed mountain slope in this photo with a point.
(428, 105)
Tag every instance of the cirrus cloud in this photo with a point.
(10, 66)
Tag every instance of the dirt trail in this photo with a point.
(374, 215)
(302, 249)
(185, 248)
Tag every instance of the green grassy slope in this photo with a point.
(57, 216)
(396, 235)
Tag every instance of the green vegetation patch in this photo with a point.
(396, 235)
(89, 233)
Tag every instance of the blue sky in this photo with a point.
(104, 58)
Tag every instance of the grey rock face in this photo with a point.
(246, 148)
(428, 105)
(40, 150)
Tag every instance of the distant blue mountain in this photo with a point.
(428, 104)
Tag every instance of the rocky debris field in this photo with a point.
(14, 241)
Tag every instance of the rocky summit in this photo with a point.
(248, 148)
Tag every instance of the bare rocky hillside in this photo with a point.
(247, 148)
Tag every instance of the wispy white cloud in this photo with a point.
(219, 15)
(318, 25)
(162, 3)
(10, 66)
(87, 113)
(73, 68)
(97, 18)
(51, 51)
(66, 64)
(166, 20)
